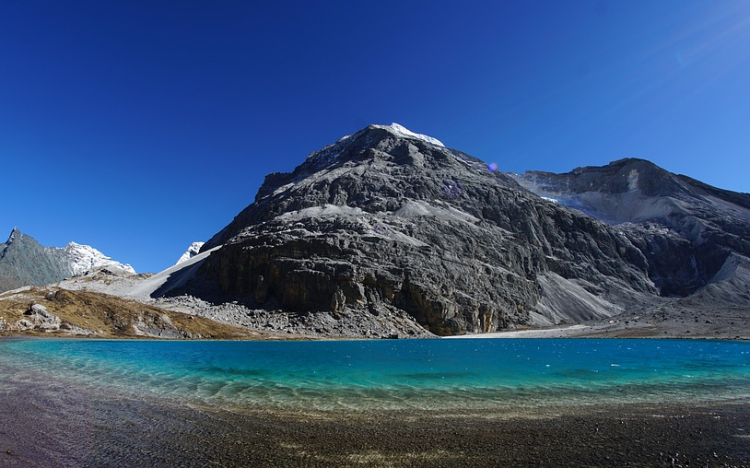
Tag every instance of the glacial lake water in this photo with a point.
(471, 374)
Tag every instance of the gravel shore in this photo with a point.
(44, 423)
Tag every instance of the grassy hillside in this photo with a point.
(83, 313)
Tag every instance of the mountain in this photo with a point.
(25, 262)
(388, 233)
(688, 231)
(191, 252)
(389, 225)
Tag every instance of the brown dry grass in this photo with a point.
(110, 316)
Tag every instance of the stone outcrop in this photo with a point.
(37, 317)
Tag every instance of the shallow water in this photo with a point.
(411, 374)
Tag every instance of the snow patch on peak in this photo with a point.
(85, 258)
(403, 132)
(633, 180)
(192, 251)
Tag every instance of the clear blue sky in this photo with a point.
(140, 126)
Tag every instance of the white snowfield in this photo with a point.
(191, 252)
(86, 258)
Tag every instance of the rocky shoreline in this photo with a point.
(46, 423)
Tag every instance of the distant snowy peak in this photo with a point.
(85, 258)
(191, 252)
(403, 132)
(26, 262)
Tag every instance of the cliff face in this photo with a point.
(385, 221)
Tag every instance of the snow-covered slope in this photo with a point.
(191, 252)
(138, 287)
(85, 258)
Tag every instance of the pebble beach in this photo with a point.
(47, 423)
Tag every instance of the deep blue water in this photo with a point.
(420, 374)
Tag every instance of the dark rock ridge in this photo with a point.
(389, 222)
(23, 262)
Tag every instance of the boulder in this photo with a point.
(37, 317)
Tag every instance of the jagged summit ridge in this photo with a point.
(13, 234)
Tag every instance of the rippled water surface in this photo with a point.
(418, 374)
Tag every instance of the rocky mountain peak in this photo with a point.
(617, 177)
(84, 258)
(379, 139)
(385, 221)
(403, 132)
(13, 234)
(15, 239)
(360, 170)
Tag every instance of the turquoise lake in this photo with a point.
(469, 374)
